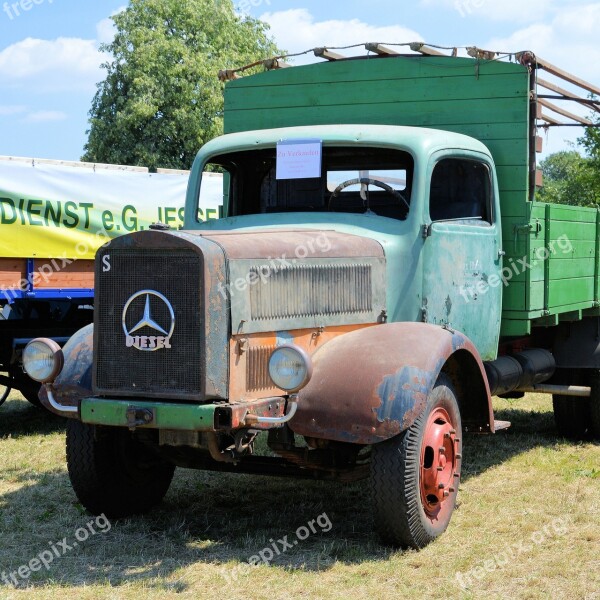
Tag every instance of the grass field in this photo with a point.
(527, 526)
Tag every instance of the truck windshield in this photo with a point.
(353, 180)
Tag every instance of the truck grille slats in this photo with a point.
(174, 275)
(311, 290)
(257, 370)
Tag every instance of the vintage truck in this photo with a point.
(54, 215)
(381, 271)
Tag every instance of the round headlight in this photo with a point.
(43, 360)
(290, 368)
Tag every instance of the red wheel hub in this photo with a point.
(440, 455)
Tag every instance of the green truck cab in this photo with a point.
(380, 271)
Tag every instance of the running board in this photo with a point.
(500, 425)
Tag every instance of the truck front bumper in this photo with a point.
(222, 416)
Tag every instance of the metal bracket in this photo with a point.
(293, 407)
(66, 410)
(136, 417)
(318, 332)
(535, 227)
(527, 227)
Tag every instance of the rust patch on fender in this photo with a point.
(403, 397)
(371, 399)
(380, 396)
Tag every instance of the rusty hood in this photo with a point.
(298, 244)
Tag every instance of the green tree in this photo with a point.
(569, 179)
(591, 142)
(161, 99)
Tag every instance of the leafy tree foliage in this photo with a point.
(569, 178)
(161, 99)
(591, 142)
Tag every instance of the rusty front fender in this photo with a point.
(370, 385)
(75, 380)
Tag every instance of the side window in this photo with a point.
(214, 192)
(461, 190)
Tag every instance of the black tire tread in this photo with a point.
(4, 394)
(572, 416)
(31, 395)
(595, 407)
(396, 494)
(396, 516)
(99, 474)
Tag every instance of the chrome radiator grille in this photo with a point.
(141, 280)
(312, 290)
(306, 293)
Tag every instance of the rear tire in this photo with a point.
(28, 388)
(30, 391)
(572, 415)
(4, 389)
(4, 393)
(595, 407)
(112, 473)
(415, 475)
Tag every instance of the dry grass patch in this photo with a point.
(527, 526)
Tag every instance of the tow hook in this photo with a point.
(136, 417)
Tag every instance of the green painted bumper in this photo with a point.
(115, 412)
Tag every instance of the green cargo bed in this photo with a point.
(559, 281)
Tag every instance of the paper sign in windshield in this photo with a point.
(299, 159)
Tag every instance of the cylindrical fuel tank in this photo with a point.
(521, 371)
(538, 366)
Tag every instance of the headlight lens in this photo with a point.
(43, 360)
(290, 368)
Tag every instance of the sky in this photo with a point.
(50, 60)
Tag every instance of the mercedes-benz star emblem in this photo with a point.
(148, 343)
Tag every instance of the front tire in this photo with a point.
(4, 393)
(415, 475)
(112, 473)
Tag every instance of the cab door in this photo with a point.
(462, 250)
